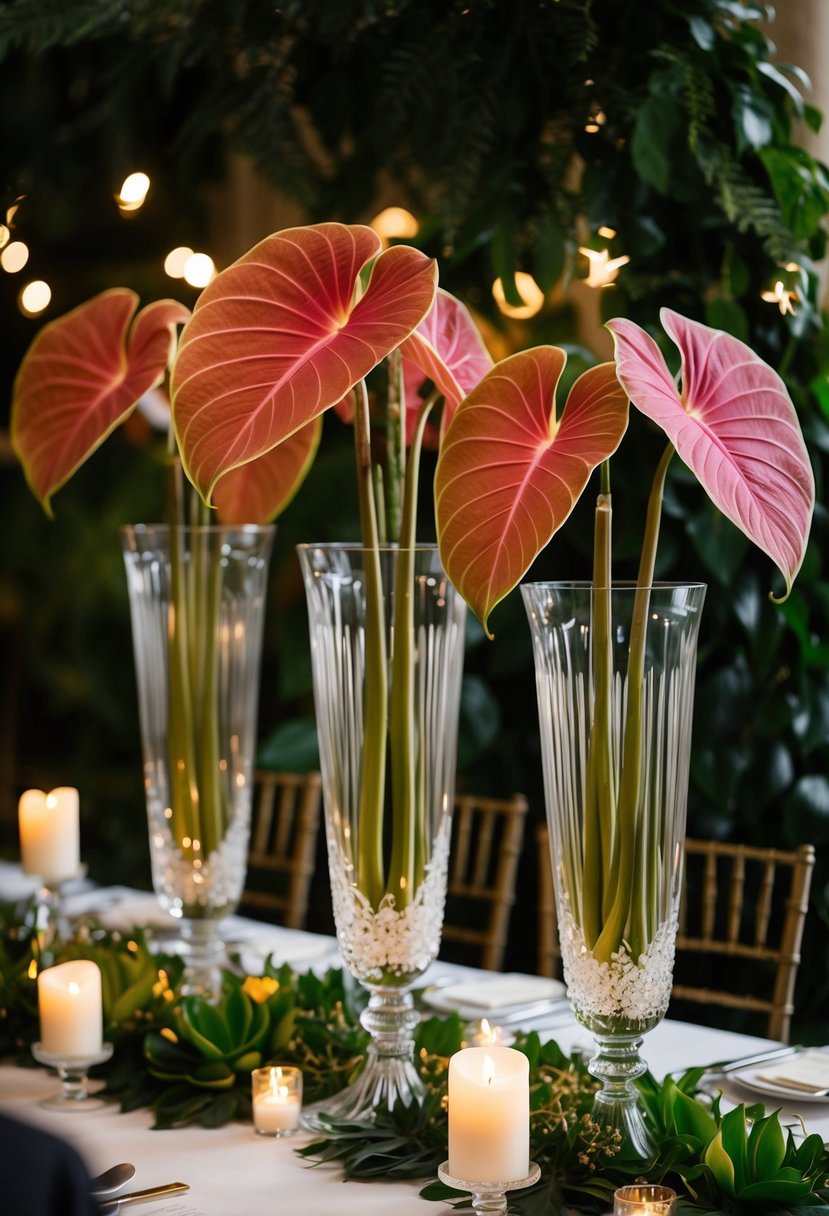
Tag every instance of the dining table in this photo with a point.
(231, 1171)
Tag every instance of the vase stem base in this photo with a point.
(205, 955)
(384, 1081)
(617, 1107)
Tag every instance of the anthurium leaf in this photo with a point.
(283, 334)
(510, 471)
(734, 425)
(446, 348)
(255, 493)
(766, 1148)
(82, 375)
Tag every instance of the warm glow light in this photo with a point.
(782, 297)
(34, 297)
(529, 291)
(133, 192)
(395, 223)
(607, 233)
(597, 120)
(603, 269)
(14, 257)
(5, 235)
(176, 260)
(489, 1070)
(32, 972)
(198, 270)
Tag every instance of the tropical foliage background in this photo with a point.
(514, 132)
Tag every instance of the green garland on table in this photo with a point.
(189, 1061)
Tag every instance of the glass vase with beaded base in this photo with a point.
(615, 674)
(387, 640)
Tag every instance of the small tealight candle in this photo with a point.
(277, 1100)
(50, 833)
(70, 1005)
(489, 1114)
(644, 1199)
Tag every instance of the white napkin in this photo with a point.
(808, 1071)
(286, 946)
(498, 991)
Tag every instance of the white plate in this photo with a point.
(448, 1000)
(792, 1097)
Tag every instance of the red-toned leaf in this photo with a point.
(256, 492)
(447, 349)
(733, 424)
(509, 474)
(281, 335)
(81, 377)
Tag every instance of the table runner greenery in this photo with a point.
(189, 1061)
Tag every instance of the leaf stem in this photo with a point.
(370, 868)
(628, 815)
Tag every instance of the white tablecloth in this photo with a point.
(230, 1170)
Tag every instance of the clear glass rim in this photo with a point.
(616, 585)
(357, 546)
(205, 529)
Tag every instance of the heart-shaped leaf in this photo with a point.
(255, 493)
(447, 349)
(283, 334)
(510, 472)
(733, 424)
(82, 375)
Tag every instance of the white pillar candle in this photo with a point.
(69, 1000)
(50, 833)
(489, 1114)
(277, 1100)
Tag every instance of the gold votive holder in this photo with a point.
(276, 1093)
(644, 1199)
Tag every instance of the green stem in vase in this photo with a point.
(626, 918)
(396, 477)
(204, 673)
(599, 794)
(408, 794)
(184, 816)
(370, 867)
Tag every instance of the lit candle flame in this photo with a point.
(489, 1070)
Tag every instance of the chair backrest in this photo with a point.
(549, 950)
(739, 902)
(745, 903)
(282, 856)
(487, 835)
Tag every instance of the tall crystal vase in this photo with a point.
(615, 681)
(197, 600)
(387, 640)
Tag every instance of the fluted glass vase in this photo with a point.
(197, 601)
(615, 681)
(387, 639)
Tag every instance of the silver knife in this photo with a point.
(760, 1057)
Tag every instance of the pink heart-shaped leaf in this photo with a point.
(733, 424)
(81, 377)
(256, 492)
(283, 334)
(509, 473)
(447, 349)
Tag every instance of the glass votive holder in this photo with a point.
(644, 1199)
(483, 1033)
(277, 1100)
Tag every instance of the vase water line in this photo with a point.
(197, 602)
(387, 641)
(615, 675)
